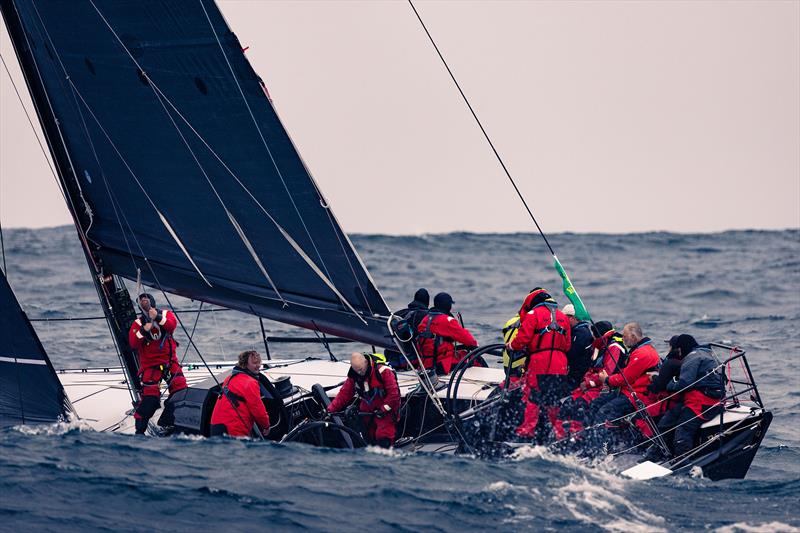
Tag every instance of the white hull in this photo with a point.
(100, 396)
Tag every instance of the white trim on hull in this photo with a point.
(101, 398)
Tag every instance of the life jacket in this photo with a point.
(409, 319)
(553, 326)
(235, 399)
(510, 330)
(611, 339)
(371, 386)
(428, 334)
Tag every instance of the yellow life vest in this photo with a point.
(376, 357)
(510, 330)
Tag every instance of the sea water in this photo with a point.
(740, 287)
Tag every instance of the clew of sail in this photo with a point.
(153, 114)
(30, 392)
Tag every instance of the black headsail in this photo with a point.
(177, 165)
(30, 392)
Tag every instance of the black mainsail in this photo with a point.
(176, 166)
(30, 392)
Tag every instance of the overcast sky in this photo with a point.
(612, 116)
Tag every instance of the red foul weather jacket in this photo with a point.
(376, 393)
(153, 348)
(241, 406)
(643, 358)
(592, 384)
(449, 332)
(379, 394)
(548, 348)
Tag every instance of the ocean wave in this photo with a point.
(767, 527)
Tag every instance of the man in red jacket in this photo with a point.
(375, 385)
(437, 334)
(544, 335)
(633, 380)
(151, 336)
(239, 406)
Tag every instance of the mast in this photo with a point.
(111, 292)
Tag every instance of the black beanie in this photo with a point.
(422, 297)
(601, 328)
(686, 343)
(443, 302)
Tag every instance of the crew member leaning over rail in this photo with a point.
(702, 381)
(633, 380)
(610, 357)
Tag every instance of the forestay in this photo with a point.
(30, 392)
(177, 165)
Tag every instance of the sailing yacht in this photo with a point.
(179, 175)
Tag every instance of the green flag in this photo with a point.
(580, 311)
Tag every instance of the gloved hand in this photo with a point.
(351, 412)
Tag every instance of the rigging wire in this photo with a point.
(283, 232)
(163, 220)
(261, 135)
(62, 185)
(483, 130)
(41, 147)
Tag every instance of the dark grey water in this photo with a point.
(741, 287)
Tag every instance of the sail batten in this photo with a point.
(169, 92)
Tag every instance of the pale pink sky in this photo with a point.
(612, 116)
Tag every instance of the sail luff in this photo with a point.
(249, 242)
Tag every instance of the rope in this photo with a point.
(483, 130)
(670, 430)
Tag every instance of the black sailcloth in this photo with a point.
(30, 392)
(176, 164)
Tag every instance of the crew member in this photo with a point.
(515, 363)
(703, 384)
(437, 334)
(416, 309)
(151, 336)
(581, 350)
(240, 406)
(375, 385)
(405, 330)
(544, 335)
(610, 357)
(633, 380)
(671, 364)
